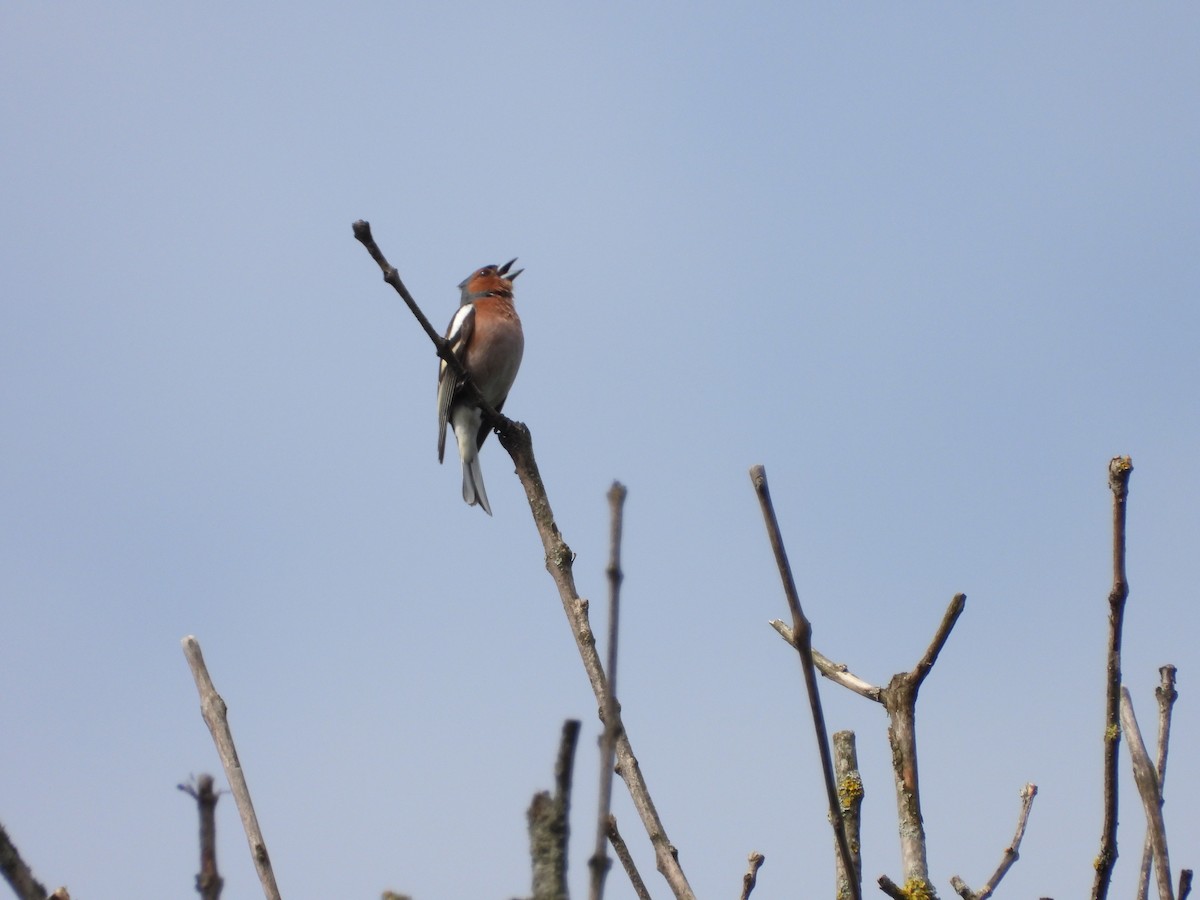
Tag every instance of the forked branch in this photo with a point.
(900, 701)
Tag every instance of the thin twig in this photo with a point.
(618, 844)
(953, 611)
(212, 707)
(362, 233)
(1011, 853)
(1119, 470)
(516, 439)
(1166, 694)
(1185, 884)
(750, 879)
(599, 864)
(802, 640)
(15, 871)
(838, 673)
(208, 881)
(1148, 790)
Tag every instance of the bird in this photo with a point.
(485, 334)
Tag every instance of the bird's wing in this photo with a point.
(459, 335)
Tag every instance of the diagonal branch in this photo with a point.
(802, 640)
(1151, 794)
(838, 673)
(213, 708)
(362, 233)
(16, 872)
(635, 877)
(1166, 696)
(515, 438)
(953, 611)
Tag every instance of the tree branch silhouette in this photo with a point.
(549, 822)
(1119, 470)
(850, 800)
(1011, 853)
(213, 709)
(802, 641)
(1166, 695)
(16, 872)
(599, 864)
(899, 700)
(516, 439)
(1150, 792)
(635, 877)
(208, 880)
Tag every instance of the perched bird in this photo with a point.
(486, 335)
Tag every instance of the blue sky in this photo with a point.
(932, 264)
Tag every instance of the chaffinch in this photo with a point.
(486, 335)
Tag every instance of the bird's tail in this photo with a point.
(473, 491)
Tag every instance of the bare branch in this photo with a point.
(1185, 884)
(750, 879)
(953, 611)
(900, 701)
(618, 843)
(1148, 789)
(599, 864)
(362, 233)
(18, 875)
(802, 641)
(850, 799)
(838, 673)
(549, 823)
(1011, 854)
(212, 707)
(1165, 694)
(1119, 470)
(208, 881)
(892, 889)
(516, 439)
